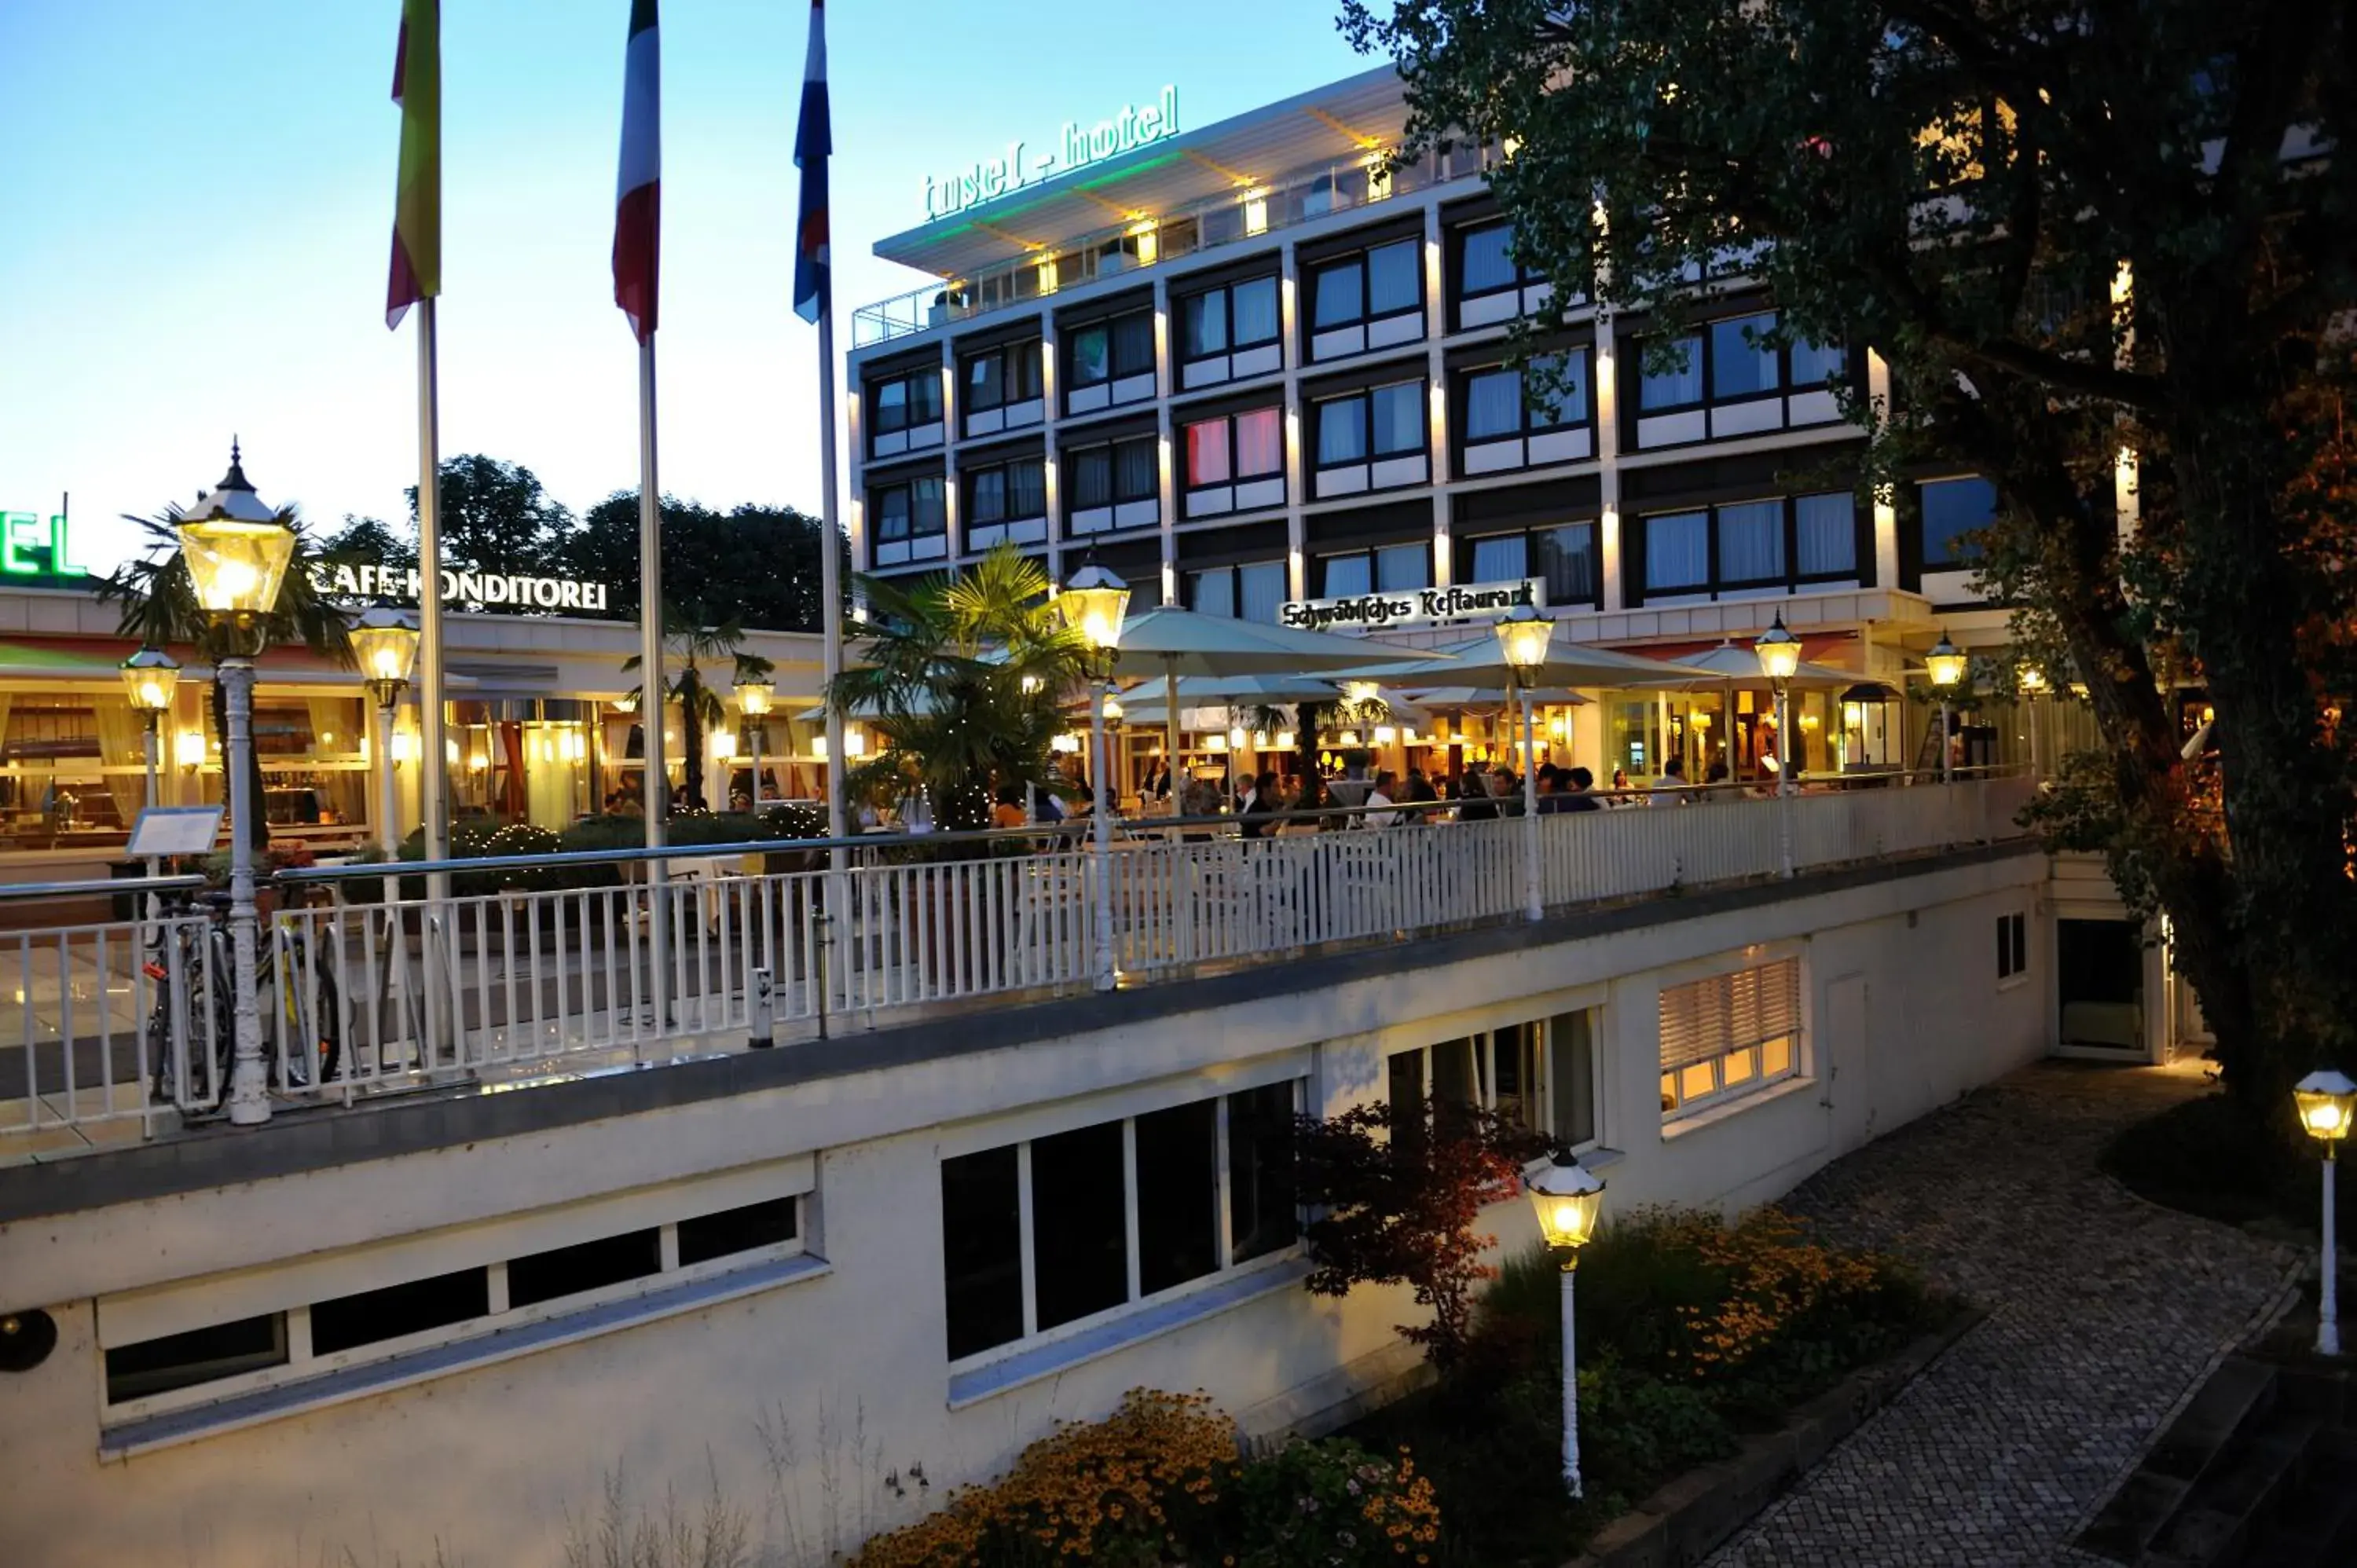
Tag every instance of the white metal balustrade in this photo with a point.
(364, 994)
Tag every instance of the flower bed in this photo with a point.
(1692, 1335)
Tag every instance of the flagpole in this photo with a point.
(432, 767)
(655, 789)
(830, 582)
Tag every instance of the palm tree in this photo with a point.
(964, 684)
(160, 609)
(696, 645)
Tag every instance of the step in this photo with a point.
(2133, 1517)
(2318, 1529)
(2260, 1471)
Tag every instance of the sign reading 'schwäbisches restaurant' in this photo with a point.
(345, 580)
(1414, 605)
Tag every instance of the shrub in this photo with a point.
(1329, 1503)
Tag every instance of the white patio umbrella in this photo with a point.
(1736, 665)
(1174, 644)
(1480, 665)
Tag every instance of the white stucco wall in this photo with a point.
(488, 1462)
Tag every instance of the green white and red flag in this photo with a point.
(638, 206)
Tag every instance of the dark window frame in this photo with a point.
(969, 506)
(1074, 455)
(910, 532)
(1189, 577)
(1005, 354)
(1372, 555)
(1705, 361)
(1462, 403)
(928, 375)
(1360, 260)
(1458, 234)
(1949, 561)
(1793, 579)
(1225, 294)
(1365, 398)
(1228, 422)
(1529, 533)
(1113, 328)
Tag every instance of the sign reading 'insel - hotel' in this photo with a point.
(1134, 126)
(523, 591)
(1414, 605)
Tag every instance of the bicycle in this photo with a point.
(209, 998)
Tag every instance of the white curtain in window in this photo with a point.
(1751, 542)
(1493, 406)
(1215, 591)
(1261, 591)
(1828, 533)
(1260, 443)
(1207, 453)
(1204, 320)
(1092, 478)
(1677, 386)
(925, 509)
(1390, 278)
(120, 745)
(1339, 294)
(1677, 550)
(1740, 365)
(989, 495)
(1398, 418)
(1400, 567)
(1566, 404)
(1138, 479)
(1027, 488)
(1252, 308)
(1501, 558)
(1487, 266)
(1341, 431)
(1346, 576)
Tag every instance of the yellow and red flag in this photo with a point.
(417, 199)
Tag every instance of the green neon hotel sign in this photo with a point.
(32, 545)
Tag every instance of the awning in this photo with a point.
(1816, 646)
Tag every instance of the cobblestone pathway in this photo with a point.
(2104, 1310)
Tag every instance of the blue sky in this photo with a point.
(195, 203)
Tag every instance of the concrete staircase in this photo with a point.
(2259, 1469)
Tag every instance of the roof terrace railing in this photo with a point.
(1243, 214)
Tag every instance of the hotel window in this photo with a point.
(1006, 502)
(1226, 334)
(1491, 286)
(910, 523)
(1255, 591)
(1235, 463)
(1953, 511)
(1110, 362)
(1726, 381)
(1565, 555)
(1116, 485)
(1729, 1036)
(2012, 945)
(1539, 1076)
(905, 412)
(1388, 569)
(1002, 387)
(1513, 420)
(1370, 300)
(1371, 440)
(1776, 543)
(1118, 1212)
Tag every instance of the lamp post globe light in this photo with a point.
(2031, 681)
(2326, 1102)
(385, 641)
(237, 551)
(149, 677)
(1780, 659)
(754, 699)
(1094, 604)
(1946, 666)
(1525, 636)
(1569, 1198)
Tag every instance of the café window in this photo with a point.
(1114, 1213)
(1782, 541)
(905, 412)
(1539, 1076)
(1388, 569)
(1228, 333)
(1492, 285)
(1234, 463)
(1006, 503)
(1109, 363)
(1114, 484)
(1370, 300)
(1002, 387)
(1371, 440)
(1515, 418)
(1729, 1036)
(1953, 509)
(1564, 555)
(909, 522)
(1726, 380)
(1255, 591)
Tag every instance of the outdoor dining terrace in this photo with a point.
(508, 972)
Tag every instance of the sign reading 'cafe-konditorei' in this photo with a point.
(1414, 605)
(346, 580)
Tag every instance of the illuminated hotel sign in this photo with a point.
(346, 580)
(1414, 606)
(1077, 145)
(34, 547)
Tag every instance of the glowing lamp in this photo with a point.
(1523, 634)
(189, 749)
(1357, 691)
(1094, 604)
(2326, 1101)
(1113, 710)
(754, 697)
(1568, 1198)
(1386, 735)
(2030, 679)
(149, 677)
(723, 746)
(385, 642)
(1237, 737)
(1945, 663)
(1285, 740)
(1779, 651)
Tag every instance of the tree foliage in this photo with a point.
(2071, 231)
(495, 518)
(1396, 1192)
(693, 646)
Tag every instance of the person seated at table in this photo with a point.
(1474, 803)
(1417, 792)
(1715, 776)
(1260, 803)
(1008, 811)
(1578, 793)
(1507, 789)
(1380, 813)
(1671, 788)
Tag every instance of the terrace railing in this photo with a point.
(588, 962)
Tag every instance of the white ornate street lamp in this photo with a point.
(1779, 660)
(1524, 635)
(1094, 604)
(149, 677)
(237, 550)
(2326, 1101)
(1568, 1198)
(1946, 666)
(753, 701)
(385, 641)
(2032, 683)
